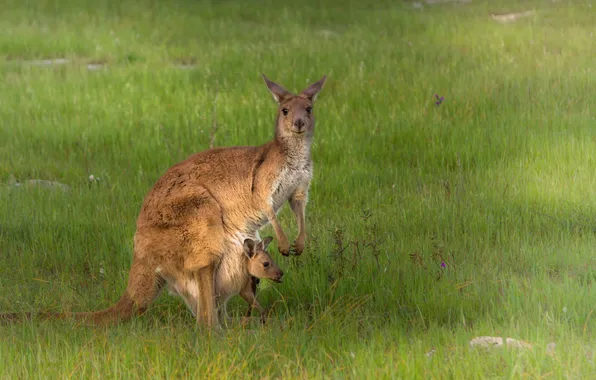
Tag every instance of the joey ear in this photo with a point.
(266, 242)
(279, 93)
(249, 248)
(313, 90)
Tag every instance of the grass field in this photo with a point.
(428, 224)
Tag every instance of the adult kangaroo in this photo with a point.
(198, 214)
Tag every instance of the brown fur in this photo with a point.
(195, 218)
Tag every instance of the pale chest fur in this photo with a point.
(231, 274)
(289, 180)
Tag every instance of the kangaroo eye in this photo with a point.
(308, 110)
(285, 111)
(265, 264)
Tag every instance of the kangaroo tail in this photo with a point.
(122, 310)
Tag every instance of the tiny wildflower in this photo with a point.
(564, 309)
(439, 99)
(443, 265)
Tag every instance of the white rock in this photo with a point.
(49, 62)
(42, 183)
(497, 342)
(95, 66)
(510, 17)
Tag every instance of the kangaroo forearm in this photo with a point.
(279, 232)
(298, 202)
(298, 205)
(299, 208)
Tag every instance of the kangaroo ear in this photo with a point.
(266, 242)
(313, 90)
(279, 93)
(249, 248)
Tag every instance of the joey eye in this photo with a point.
(285, 111)
(265, 264)
(308, 110)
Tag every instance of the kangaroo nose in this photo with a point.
(299, 123)
(281, 273)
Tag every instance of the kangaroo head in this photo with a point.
(259, 263)
(295, 115)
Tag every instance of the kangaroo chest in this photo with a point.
(231, 274)
(288, 181)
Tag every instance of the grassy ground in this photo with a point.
(496, 183)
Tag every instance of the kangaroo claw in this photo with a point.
(294, 250)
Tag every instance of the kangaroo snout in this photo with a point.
(299, 124)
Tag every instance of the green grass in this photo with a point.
(497, 182)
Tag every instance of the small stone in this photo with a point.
(327, 33)
(42, 183)
(95, 66)
(49, 62)
(510, 17)
(497, 342)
